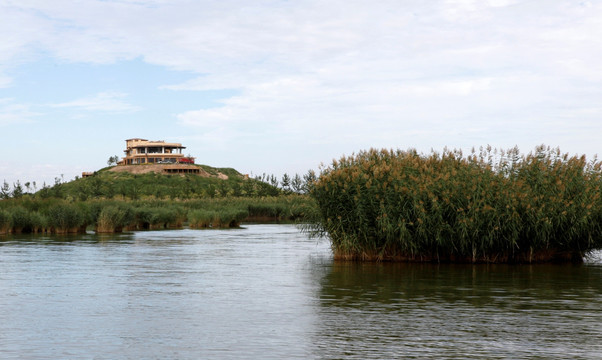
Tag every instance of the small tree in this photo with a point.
(286, 182)
(309, 179)
(113, 160)
(273, 181)
(297, 184)
(44, 191)
(5, 190)
(17, 190)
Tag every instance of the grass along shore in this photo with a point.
(113, 200)
(61, 216)
(491, 206)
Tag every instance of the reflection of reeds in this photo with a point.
(492, 206)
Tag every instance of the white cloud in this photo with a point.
(40, 173)
(5, 81)
(105, 101)
(342, 75)
(14, 113)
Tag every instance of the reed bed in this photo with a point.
(489, 206)
(269, 208)
(53, 215)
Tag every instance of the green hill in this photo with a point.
(147, 182)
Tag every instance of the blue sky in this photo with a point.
(282, 86)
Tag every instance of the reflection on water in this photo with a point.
(266, 291)
(461, 311)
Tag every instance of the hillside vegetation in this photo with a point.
(125, 185)
(112, 201)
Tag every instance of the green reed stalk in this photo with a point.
(5, 222)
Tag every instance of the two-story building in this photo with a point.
(142, 151)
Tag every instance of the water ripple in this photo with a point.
(267, 291)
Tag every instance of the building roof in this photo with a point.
(146, 143)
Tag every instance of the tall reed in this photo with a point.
(21, 220)
(231, 217)
(66, 218)
(39, 222)
(490, 206)
(5, 222)
(113, 219)
(163, 218)
(201, 218)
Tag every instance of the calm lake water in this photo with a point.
(267, 291)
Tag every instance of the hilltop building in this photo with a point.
(158, 157)
(142, 151)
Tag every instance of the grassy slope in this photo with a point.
(124, 185)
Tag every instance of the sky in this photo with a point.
(279, 86)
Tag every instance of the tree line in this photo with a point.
(299, 184)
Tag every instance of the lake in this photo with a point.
(269, 292)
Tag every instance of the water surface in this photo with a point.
(267, 291)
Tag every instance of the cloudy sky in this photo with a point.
(280, 86)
